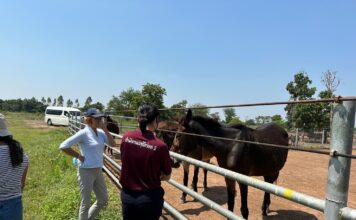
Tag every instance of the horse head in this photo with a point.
(111, 124)
(183, 143)
(163, 131)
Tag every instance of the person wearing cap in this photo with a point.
(13, 171)
(145, 163)
(91, 142)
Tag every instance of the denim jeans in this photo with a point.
(11, 209)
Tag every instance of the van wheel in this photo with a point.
(49, 122)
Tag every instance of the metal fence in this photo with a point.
(335, 204)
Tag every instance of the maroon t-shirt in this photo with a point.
(143, 158)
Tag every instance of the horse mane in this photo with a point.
(247, 132)
(112, 125)
(207, 122)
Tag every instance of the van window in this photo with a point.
(75, 113)
(66, 114)
(53, 112)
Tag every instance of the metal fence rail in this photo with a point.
(334, 206)
(209, 203)
(328, 100)
(289, 194)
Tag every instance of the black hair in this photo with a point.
(146, 114)
(16, 151)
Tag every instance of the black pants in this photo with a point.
(146, 205)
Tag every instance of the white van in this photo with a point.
(56, 115)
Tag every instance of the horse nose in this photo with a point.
(175, 163)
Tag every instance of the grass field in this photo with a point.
(51, 190)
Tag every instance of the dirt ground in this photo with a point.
(303, 172)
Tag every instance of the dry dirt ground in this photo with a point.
(303, 172)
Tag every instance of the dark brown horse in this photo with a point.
(247, 159)
(113, 127)
(199, 154)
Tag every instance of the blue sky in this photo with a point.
(212, 52)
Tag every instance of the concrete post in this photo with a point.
(339, 167)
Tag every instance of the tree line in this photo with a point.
(304, 116)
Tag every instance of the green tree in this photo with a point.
(235, 120)
(250, 122)
(262, 119)
(279, 120)
(229, 114)
(49, 101)
(131, 99)
(181, 104)
(331, 83)
(153, 94)
(98, 105)
(201, 109)
(128, 99)
(69, 103)
(300, 115)
(88, 102)
(175, 114)
(43, 100)
(215, 116)
(76, 103)
(60, 100)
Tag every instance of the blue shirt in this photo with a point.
(91, 146)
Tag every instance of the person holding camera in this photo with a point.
(91, 140)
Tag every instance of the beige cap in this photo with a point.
(3, 128)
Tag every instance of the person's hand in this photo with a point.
(81, 158)
(102, 125)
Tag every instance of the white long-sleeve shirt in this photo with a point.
(91, 146)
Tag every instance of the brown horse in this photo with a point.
(113, 127)
(199, 154)
(247, 159)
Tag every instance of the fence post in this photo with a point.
(339, 167)
(296, 137)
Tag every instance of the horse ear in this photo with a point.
(188, 117)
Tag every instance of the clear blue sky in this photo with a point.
(212, 52)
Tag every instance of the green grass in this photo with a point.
(51, 190)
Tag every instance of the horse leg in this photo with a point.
(267, 197)
(195, 178)
(244, 207)
(185, 180)
(231, 193)
(205, 178)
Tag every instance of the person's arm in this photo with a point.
(165, 177)
(23, 180)
(73, 153)
(166, 164)
(110, 139)
(67, 144)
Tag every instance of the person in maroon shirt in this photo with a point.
(145, 163)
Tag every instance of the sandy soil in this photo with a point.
(303, 172)
(39, 124)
